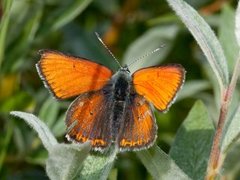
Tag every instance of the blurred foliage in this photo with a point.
(129, 29)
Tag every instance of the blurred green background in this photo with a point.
(130, 29)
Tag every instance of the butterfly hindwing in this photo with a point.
(159, 84)
(139, 129)
(88, 119)
(68, 76)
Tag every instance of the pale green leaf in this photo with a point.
(65, 160)
(151, 40)
(160, 165)
(227, 36)
(43, 131)
(205, 37)
(192, 145)
(237, 24)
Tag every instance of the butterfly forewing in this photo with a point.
(88, 119)
(68, 76)
(159, 85)
(139, 129)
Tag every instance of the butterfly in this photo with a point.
(110, 108)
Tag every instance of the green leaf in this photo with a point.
(18, 100)
(163, 19)
(70, 13)
(160, 165)
(237, 24)
(65, 160)
(38, 158)
(192, 88)
(27, 27)
(49, 111)
(43, 131)
(231, 130)
(151, 40)
(6, 141)
(231, 165)
(192, 145)
(113, 174)
(206, 38)
(214, 85)
(65, 14)
(6, 4)
(59, 127)
(97, 166)
(227, 36)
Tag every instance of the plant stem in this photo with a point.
(213, 163)
(215, 156)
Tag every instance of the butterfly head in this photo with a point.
(125, 69)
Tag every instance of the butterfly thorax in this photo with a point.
(119, 85)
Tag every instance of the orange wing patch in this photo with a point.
(140, 128)
(68, 76)
(159, 85)
(88, 120)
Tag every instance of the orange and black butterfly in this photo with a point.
(111, 108)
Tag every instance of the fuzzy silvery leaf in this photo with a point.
(97, 166)
(206, 39)
(65, 160)
(43, 131)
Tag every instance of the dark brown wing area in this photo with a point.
(88, 119)
(139, 130)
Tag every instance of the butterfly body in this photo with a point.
(111, 109)
(117, 92)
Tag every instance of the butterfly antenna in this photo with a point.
(146, 55)
(107, 49)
